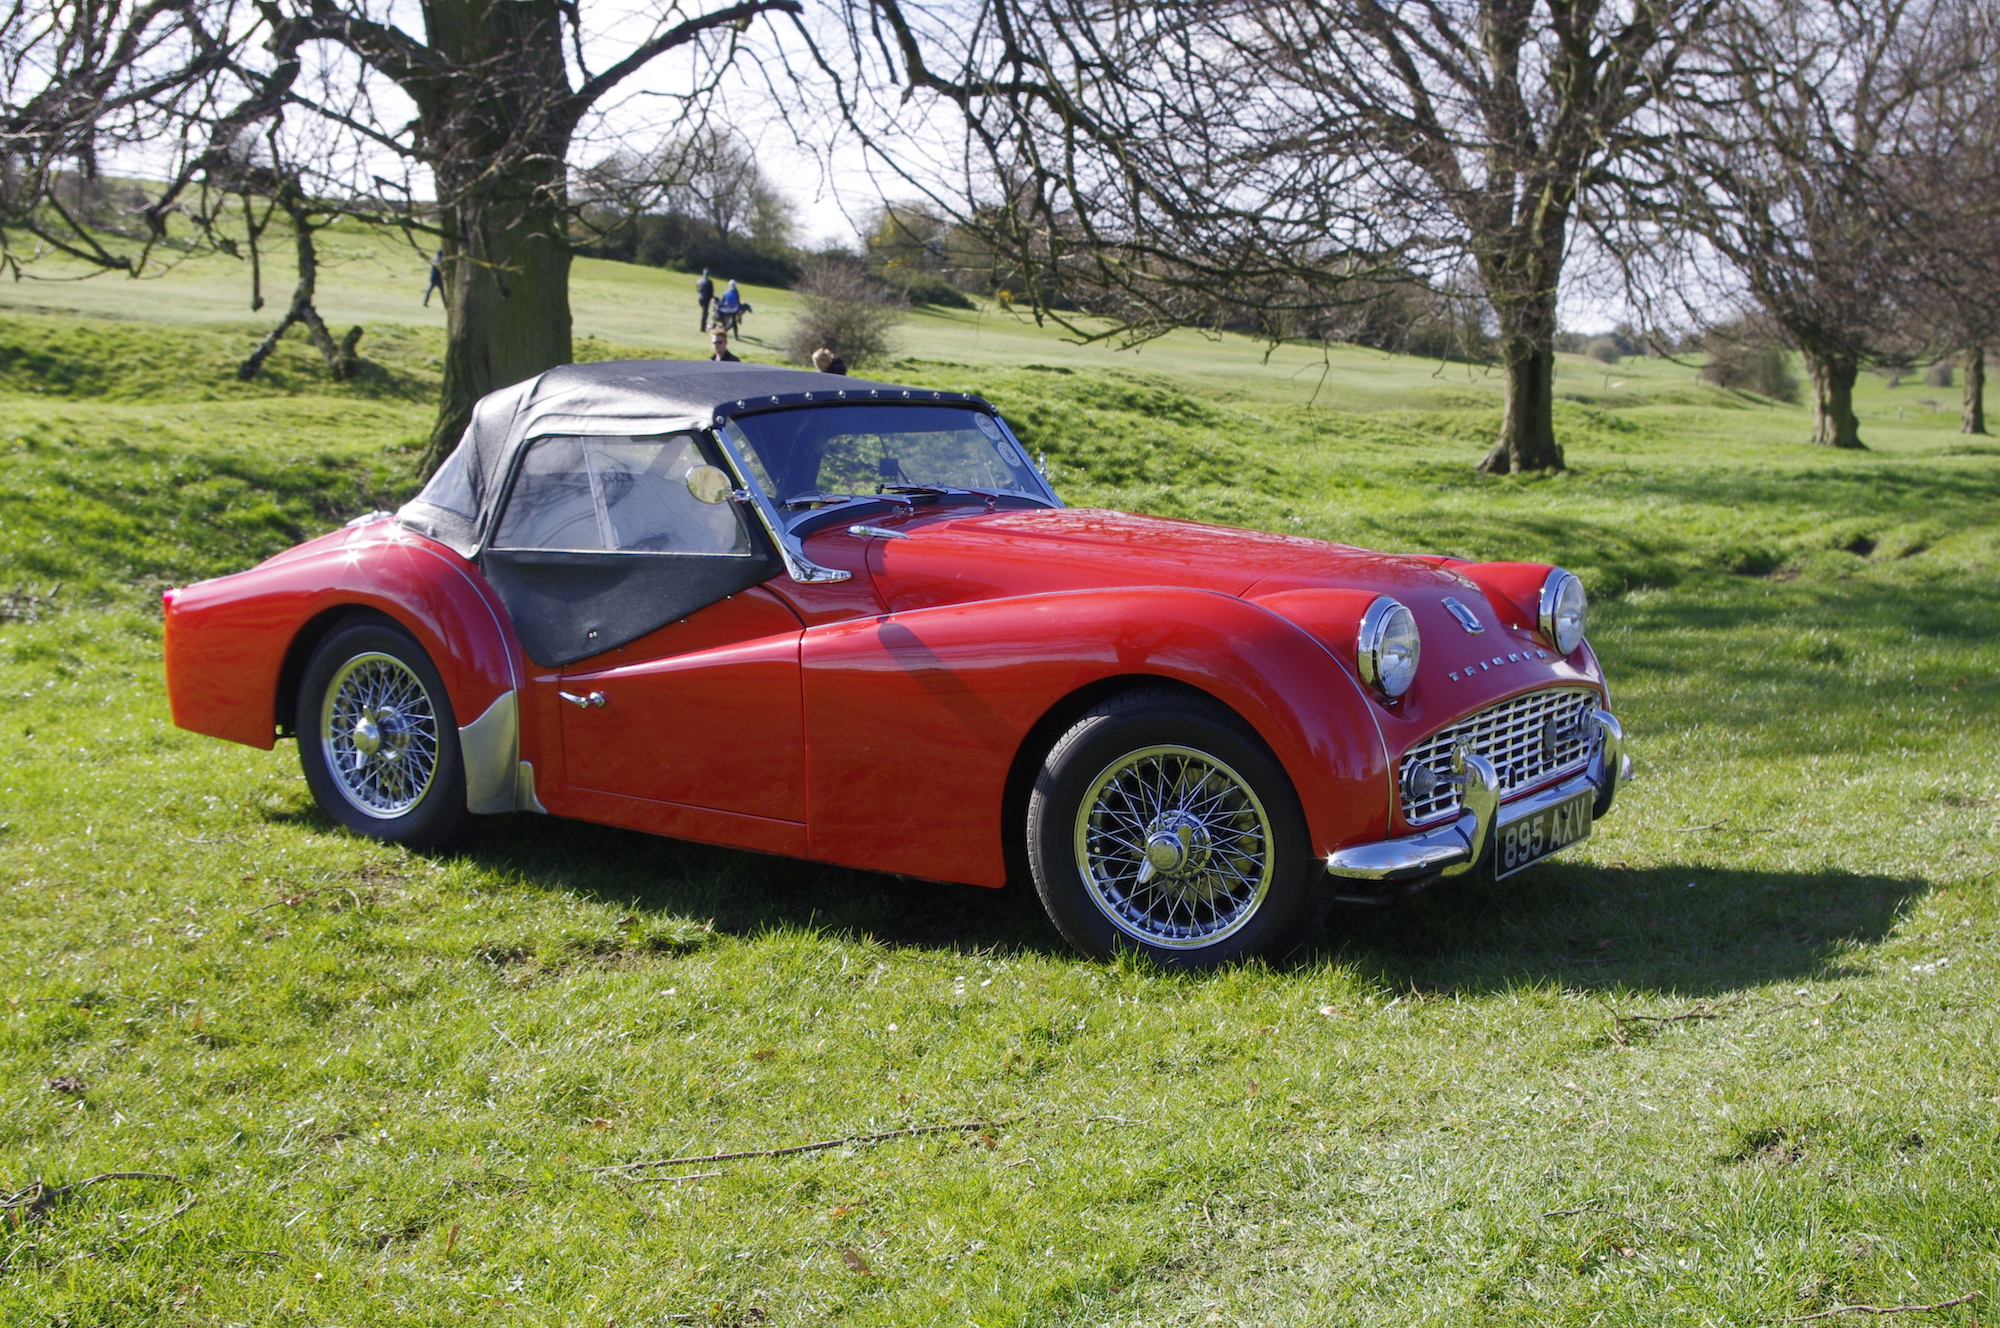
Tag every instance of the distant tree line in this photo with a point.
(696, 201)
(1416, 174)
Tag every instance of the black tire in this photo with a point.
(1238, 880)
(408, 785)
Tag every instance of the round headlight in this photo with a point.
(1387, 647)
(1563, 611)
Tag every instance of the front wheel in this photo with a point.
(377, 738)
(1160, 824)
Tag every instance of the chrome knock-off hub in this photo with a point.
(1177, 845)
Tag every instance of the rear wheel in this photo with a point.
(1160, 824)
(377, 738)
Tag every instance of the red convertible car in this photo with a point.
(847, 621)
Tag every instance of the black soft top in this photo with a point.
(635, 397)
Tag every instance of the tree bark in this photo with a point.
(1833, 420)
(1973, 420)
(1527, 411)
(506, 243)
(507, 312)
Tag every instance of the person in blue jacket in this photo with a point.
(729, 309)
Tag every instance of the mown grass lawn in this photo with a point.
(1734, 1062)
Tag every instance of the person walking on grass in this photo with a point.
(719, 339)
(729, 309)
(437, 277)
(704, 291)
(827, 362)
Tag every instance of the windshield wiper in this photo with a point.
(820, 500)
(990, 496)
(835, 501)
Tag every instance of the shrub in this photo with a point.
(841, 309)
(926, 288)
(1938, 375)
(1607, 350)
(1758, 367)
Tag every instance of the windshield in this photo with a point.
(831, 452)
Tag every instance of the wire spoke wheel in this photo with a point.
(1174, 847)
(379, 733)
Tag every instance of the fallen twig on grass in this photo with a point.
(38, 1198)
(24, 605)
(1700, 1012)
(666, 1180)
(1600, 1211)
(1888, 1309)
(854, 1140)
(1592, 1208)
(1691, 829)
(34, 1202)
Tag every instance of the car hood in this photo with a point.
(1321, 587)
(954, 559)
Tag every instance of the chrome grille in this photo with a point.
(1528, 739)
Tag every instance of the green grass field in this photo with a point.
(1733, 1062)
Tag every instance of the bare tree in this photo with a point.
(306, 216)
(78, 81)
(1787, 117)
(1160, 154)
(499, 88)
(1945, 160)
(710, 175)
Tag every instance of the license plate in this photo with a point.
(1522, 843)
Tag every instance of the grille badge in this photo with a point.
(1466, 618)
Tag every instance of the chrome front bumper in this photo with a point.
(1459, 847)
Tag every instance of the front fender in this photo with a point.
(227, 640)
(913, 720)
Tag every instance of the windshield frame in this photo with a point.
(778, 517)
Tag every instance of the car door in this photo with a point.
(679, 675)
(706, 712)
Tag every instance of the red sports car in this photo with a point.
(832, 619)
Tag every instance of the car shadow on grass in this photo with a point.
(742, 893)
(1674, 929)
(1694, 931)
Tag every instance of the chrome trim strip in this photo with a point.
(524, 790)
(489, 746)
(797, 566)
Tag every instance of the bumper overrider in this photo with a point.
(1393, 867)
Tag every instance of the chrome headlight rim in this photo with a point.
(1555, 588)
(1379, 625)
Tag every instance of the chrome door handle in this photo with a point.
(595, 699)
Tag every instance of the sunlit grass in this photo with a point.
(1732, 1062)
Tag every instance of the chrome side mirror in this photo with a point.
(710, 484)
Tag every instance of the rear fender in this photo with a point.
(232, 644)
(913, 721)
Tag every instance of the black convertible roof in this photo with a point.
(636, 397)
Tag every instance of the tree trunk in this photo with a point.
(341, 361)
(1527, 411)
(507, 315)
(1974, 418)
(1833, 375)
(498, 146)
